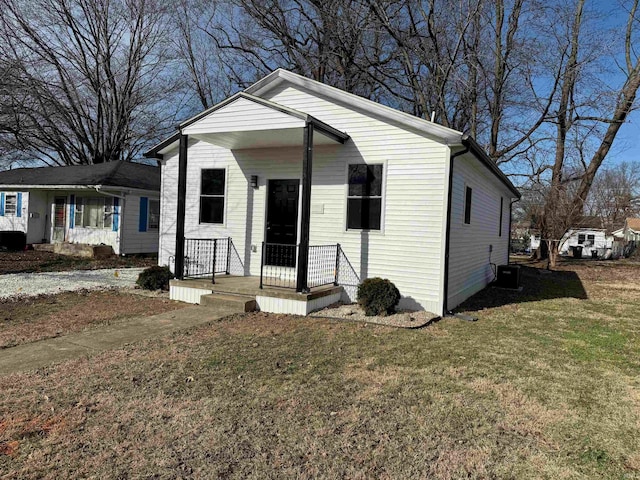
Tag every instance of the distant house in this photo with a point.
(301, 182)
(587, 236)
(115, 203)
(631, 230)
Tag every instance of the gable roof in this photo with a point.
(112, 174)
(448, 136)
(633, 224)
(275, 78)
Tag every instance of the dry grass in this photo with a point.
(31, 261)
(544, 388)
(24, 320)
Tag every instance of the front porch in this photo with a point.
(268, 299)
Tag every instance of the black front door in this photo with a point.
(282, 222)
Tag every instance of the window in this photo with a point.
(154, 215)
(591, 239)
(500, 220)
(93, 212)
(212, 183)
(364, 198)
(10, 204)
(581, 238)
(468, 192)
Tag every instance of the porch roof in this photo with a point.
(246, 121)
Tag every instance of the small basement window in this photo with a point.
(212, 188)
(364, 197)
(468, 193)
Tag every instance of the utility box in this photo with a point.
(508, 277)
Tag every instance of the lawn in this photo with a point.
(29, 261)
(546, 384)
(24, 320)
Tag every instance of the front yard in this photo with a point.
(30, 261)
(24, 320)
(546, 384)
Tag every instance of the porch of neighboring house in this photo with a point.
(295, 276)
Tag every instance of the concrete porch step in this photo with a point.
(243, 303)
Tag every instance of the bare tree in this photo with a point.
(586, 119)
(615, 194)
(86, 79)
(332, 41)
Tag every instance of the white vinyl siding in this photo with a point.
(132, 240)
(10, 221)
(409, 249)
(474, 246)
(243, 115)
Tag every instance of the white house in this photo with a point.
(631, 230)
(593, 241)
(115, 203)
(310, 182)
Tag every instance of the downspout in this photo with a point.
(510, 220)
(448, 230)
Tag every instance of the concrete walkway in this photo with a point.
(42, 353)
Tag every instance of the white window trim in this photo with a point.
(149, 227)
(383, 197)
(6, 204)
(105, 204)
(224, 196)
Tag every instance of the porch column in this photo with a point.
(303, 252)
(182, 197)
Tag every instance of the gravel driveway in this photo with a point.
(29, 284)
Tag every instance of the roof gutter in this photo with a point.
(471, 145)
(445, 298)
(102, 192)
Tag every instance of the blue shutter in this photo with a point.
(19, 205)
(72, 211)
(144, 207)
(2, 204)
(116, 214)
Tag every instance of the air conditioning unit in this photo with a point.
(508, 276)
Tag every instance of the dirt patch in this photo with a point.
(401, 319)
(35, 261)
(24, 320)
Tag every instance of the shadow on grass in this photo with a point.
(537, 284)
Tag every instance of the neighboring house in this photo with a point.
(631, 230)
(587, 234)
(13, 215)
(590, 239)
(115, 203)
(303, 167)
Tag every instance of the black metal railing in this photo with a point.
(323, 265)
(278, 267)
(206, 257)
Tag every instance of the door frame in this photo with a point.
(64, 218)
(268, 180)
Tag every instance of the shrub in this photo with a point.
(378, 296)
(155, 278)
